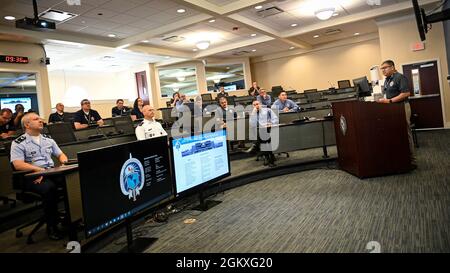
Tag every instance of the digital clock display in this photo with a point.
(13, 59)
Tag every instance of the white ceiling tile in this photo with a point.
(81, 9)
(123, 19)
(119, 5)
(106, 13)
(142, 12)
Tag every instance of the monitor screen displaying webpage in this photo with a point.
(199, 159)
(12, 102)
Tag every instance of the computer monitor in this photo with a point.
(123, 124)
(231, 87)
(207, 97)
(13, 101)
(119, 181)
(344, 84)
(362, 87)
(313, 96)
(199, 160)
(61, 132)
(276, 90)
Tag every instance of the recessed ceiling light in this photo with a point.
(316, 36)
(258, 7)
(10, 18)
(292, 47)
(146, 41)
(202, 44)
(294, 25)
(253, 50)
(212, 21)
(112, 35)
(228, 67)
(356, 33)
(167, 57)
(194, 49)
(253, 35)
(181, 10)
(335, 14)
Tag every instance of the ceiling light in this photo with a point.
(176, 89)
(258, 7)
(10, 18)
(112, 35)
(167, 57)
(356, 33)
(181, 78)
(202, 45)
(194, 49)
(316, 36)
(253, 35)
(292, 47)
(181, 10)
(253, 50)
(146, 41)
(335, 14)
(324, 14)
(216, 80)
(294, 25)
(212, 21)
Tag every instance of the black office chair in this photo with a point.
(27, 197)
(414, 119)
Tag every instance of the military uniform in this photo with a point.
(149, 129)
(279, 106)
(39, 153)
(394, 85)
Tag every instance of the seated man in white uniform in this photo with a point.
(149, 128)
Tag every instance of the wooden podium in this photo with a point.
(371, 138)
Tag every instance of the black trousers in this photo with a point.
(47, 189)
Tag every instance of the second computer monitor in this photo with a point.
(344, 84)
(362, 86)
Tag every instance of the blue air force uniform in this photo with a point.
(39, 153)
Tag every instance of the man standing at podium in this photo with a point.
(396, 90)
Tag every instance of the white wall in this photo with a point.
(102, 88)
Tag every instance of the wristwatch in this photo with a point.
(390, 100)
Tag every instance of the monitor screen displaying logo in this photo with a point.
(132, 178)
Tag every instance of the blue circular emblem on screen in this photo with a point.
(132, 178)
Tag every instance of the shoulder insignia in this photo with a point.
(47, 136)
(140, 124)
(20, 139)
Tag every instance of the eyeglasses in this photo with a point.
(385, 67)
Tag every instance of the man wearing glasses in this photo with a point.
(87, 116)
(7, 128)
(396, 90)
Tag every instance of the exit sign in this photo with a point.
(13, 59)
(418, 46)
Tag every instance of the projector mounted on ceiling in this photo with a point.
(35, 23)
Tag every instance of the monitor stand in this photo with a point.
(137, 245)
(205, 204)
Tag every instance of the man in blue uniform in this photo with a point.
(283, 104)
(397, 90)
(263, 98)
(263, 118)
(33, 151)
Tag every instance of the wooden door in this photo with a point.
(142, 87)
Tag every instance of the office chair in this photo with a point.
(6, 200)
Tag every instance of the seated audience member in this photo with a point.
(221, 93)
(58, 116)
(33, 151)
(87, 116)
(136, 113)
(263, 98)
(254, 90)
(17, 116)
(175, 98)
(224, 112)
(263, 117)
(149, 128)
(283, 104)
(7, 128)
(120, 109)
